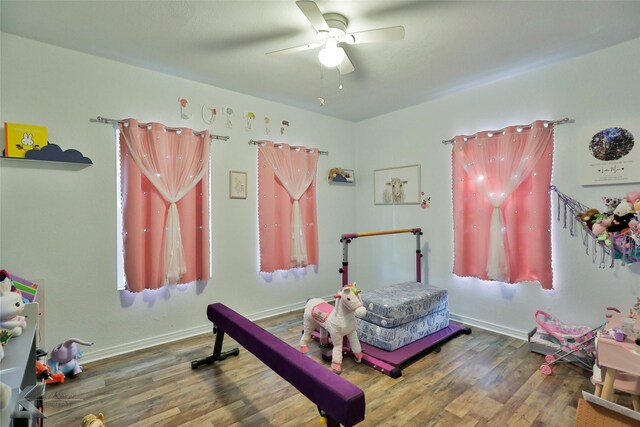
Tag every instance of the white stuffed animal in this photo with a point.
(11, 305)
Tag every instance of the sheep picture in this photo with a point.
(397, 186)
(394, 192)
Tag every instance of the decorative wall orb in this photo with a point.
(611, 144)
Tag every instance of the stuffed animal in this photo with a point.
(633, 197)
(634, 227)
(93, 420)
(339, 322)
(601, 223)
(604, 237)
(588, 217)
(623, 208)
(610, 204)
(11, 305)
(620, 223)
(64, 357)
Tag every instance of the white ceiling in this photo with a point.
(449, 45)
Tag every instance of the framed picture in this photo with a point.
(397, 186)
(237, 185)
(611, 156)
(341, 176)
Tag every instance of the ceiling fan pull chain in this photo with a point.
(340, 77)
(321, 97)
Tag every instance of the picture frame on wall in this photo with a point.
(611, 156)
(237, 185)
(397, 186)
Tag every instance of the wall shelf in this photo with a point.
(53, 153)
(58, 162)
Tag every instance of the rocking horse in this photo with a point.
(338, 321)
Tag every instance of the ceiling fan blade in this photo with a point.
(374, 36)
(313, 14)
(346, 66)
(295, 49)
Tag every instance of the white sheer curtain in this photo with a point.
(295, 175)
(497, 164)
(174, 166)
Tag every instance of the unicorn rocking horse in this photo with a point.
(338, 321)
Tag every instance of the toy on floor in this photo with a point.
(11, 305)
(64, 357)
(338, 321)
(577, 341)
(93, 420)
(44, 372)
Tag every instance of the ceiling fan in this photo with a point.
(331, 29)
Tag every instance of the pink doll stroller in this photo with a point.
(576, 343)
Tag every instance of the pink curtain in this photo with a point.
(165, 205)
(501, 204)
(287, 206)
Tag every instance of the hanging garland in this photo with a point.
(617, 245)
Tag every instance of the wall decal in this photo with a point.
(284, 123)
(267, 130)
(184, 114)
(249, 117)
(426, 201)
(208, 114)
(229, 112)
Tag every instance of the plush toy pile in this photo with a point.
(618, 225)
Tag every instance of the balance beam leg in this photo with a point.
(218, 354)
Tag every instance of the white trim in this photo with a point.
(499, 329)
(93, 356)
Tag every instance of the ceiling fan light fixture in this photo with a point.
(331, 55)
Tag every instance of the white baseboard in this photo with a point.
(93, 356)
(499, 329)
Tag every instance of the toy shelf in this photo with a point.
(18, 371)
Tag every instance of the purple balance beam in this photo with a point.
(336, 397)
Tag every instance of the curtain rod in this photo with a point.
(555, 122)
(253, 142)
(100, 119)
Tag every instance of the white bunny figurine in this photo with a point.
(11, 305)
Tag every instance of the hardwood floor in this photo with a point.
(482, 379)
